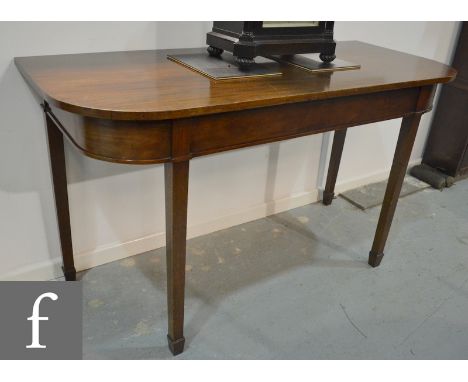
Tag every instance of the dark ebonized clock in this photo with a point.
(248, 39)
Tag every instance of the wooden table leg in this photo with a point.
(333, 167)
(176, 181)
(408, 130)
(59, 179)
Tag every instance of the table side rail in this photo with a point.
(147, 142)
(221, 132)
(130, 142)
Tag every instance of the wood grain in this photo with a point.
(226, 131)
(145, 85)
(139, 107)
(130, 142)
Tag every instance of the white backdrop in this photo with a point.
(118, 210)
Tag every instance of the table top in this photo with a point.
(145, 85)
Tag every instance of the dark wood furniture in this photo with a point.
(447, 144)
(138, 107)
(249, 39)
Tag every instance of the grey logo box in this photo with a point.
(58, 326)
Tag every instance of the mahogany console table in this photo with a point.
(139, 107)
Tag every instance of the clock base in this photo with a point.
(249, 39)
(214, 52)
(244, 63)
(327, 57)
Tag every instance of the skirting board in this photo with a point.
(117, 251)
(48, 270)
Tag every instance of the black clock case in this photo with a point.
(248, 39)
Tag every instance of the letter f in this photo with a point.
(35, 318)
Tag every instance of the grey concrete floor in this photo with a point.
(297, 285)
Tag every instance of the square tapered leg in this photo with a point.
(333, 167)
(176, 181)
(408, 130)
(59, 180)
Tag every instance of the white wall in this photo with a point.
(118, 210)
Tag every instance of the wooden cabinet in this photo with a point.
(447, 144)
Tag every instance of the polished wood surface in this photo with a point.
(145, 85)
(144, 142)
(132, 142)
(139, 107)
